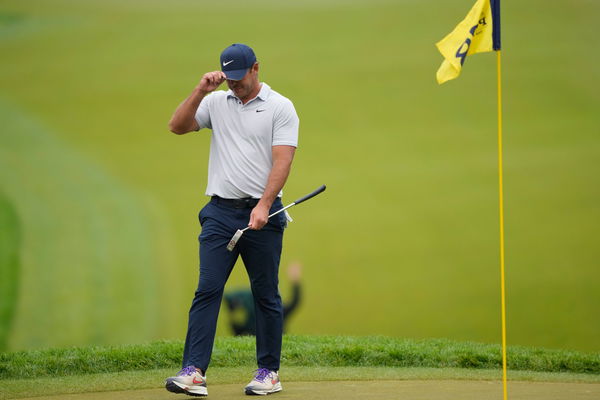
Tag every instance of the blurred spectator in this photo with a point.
(240, 304)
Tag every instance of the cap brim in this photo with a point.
(236, 74)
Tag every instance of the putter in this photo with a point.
(240, 232)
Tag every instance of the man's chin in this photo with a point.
(239, 94)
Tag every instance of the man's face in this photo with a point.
(246, 87)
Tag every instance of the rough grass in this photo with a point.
(298, 351)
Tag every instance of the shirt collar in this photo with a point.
(265, 90)
(263, 94)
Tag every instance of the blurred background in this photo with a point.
(99, 201)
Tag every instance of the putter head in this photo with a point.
(234, 240)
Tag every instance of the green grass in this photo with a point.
(10, 240)
(86, 241)
(305, 358)
(301, 351)
(405, 240)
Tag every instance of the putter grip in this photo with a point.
(310, 195)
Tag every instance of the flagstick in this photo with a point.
(501, 195)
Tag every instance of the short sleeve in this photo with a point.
(203, 113)
(285, 126)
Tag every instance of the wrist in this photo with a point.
(200, 91)
(267, 200)
(264, 203)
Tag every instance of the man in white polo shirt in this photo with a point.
(254, 137)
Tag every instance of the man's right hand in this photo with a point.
(211, 81)
(183, 120)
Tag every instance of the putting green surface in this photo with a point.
(414, 390)
(351, 382)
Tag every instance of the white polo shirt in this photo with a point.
(240, 159)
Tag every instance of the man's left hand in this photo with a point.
(259, 217)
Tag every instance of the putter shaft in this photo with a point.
(240, 232)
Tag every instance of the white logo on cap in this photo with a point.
(227, 63)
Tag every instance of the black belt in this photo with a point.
(248, 202)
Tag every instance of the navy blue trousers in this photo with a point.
(261, 252)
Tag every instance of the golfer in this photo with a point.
(254, 137)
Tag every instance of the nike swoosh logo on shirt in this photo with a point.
(227, 63)
(260, 110)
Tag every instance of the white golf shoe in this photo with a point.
(264, 382)
(189, 381)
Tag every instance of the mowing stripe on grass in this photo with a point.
(90, 261)
(9, 267)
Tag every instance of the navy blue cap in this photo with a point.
(236, 60)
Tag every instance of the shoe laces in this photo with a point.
(261, 374)
(187, 371)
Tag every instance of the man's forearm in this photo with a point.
(183, 120)
(282, 164)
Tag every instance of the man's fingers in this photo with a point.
(258, 218)
(212, 80)
(256, 224)
(252, 224)
(218, 79)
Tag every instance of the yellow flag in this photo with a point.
(472, 35)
